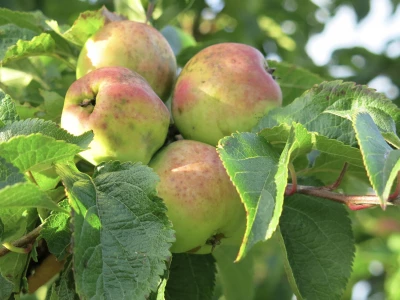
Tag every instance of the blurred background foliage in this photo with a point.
(283, 30)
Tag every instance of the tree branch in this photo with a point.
(25, 241)
(354, 202)
(349, 200)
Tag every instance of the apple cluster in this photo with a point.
(125, 73)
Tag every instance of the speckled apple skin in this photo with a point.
(129, 121)
(201, 199)
(223, 89)
(136, 46)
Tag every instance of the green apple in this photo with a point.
(203, 204)
(136, 46)
(128, 119)
(224, 88)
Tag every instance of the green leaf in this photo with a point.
(9, 174)
(318, 245)
(88, 23)
(1, 230)
(46, 179)
(329, 158)
(6, 288)
(12, 268)
(383, 113)
(302, 142)
(57, 232)
(64, 287)
(177, 38)
(48, 128)
(121, 233)
(8, 113)
(311, 109)
(24, 195)
(34, 21)
(392, 288)
(191, 276)
(17, 222)
(252, 165)
(332, 156)
(39, 45)
(261, 178)
(381, 161)
(29, 34)
(53, 105)
(133, 10)
(160, 293)
(293, 80)
(237, 279)
(37, 152)
(10, 34)
(338, 150)
(186, 54)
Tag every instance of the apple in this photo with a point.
(134, 45)
(224, 88)
(128, 119)
(203, 204)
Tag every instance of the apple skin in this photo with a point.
(224, 88)
(203, 204)
(136, 46)
(129, 121)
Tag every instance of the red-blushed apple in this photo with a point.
(203, 204)
(136, 46)
(224, 88)
(129, 121)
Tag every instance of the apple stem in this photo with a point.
(149, 13)
(87, 102)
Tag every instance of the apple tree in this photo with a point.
(149, 150)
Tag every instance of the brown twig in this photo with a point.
(349, 200)
(293, 188)
(338, 181)
(26, 241)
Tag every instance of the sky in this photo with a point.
(373, 32)
(342, 31)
